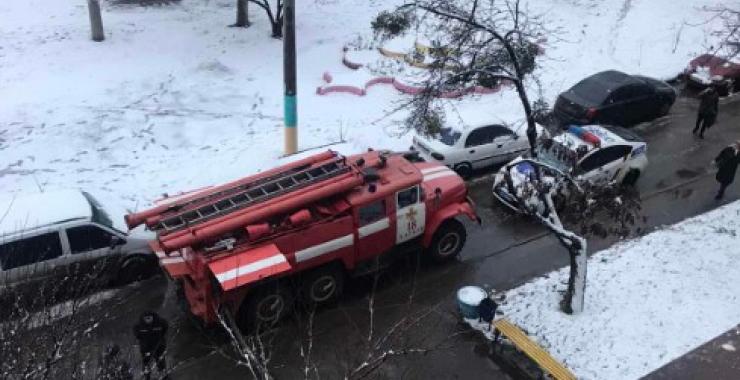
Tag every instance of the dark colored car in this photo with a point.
(615, 98)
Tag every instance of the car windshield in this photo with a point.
(448, 136)
(556, 155)
(98, 213)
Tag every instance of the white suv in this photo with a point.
(474, 148)
(50, 238)
(593, 153)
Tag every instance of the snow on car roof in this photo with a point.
(24, 212)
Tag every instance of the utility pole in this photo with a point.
(289, 76)
(96, 20)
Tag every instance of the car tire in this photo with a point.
(135, 268)
(630, 179)
(448, 241)
(265, 307)
(464, 170)
(664, 109)
(323, 285)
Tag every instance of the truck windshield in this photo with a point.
(449, 136)
(98, 213)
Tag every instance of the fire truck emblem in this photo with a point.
(411, 220)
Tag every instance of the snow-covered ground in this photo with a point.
(174, 99)
(648, 301)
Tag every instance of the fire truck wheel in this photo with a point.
(448, 240)
(323, 285)
(266, 306)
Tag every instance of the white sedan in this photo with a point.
(597, 154)
(464, 150)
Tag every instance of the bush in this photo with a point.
(391, 24)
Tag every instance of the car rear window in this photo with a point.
(624, 133)
(592, 90)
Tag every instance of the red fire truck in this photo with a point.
(254, 244)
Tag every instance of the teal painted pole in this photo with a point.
(290, 113)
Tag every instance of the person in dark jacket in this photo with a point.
(727, 162)
(708, 109)
(112, 366)
(151, 333)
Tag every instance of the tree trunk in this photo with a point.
(277, 28)
(242, 14)
(96, 20)
(531, 125)
(574, 298)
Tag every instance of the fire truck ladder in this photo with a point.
(253, 193)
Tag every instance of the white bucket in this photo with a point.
(468, 299)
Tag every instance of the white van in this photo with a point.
(50, 238)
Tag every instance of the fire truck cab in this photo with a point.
(255, 244)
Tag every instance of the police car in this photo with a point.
(598, 154)
(465, 150)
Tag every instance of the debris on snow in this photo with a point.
(728, 347)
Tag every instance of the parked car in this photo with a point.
(597, 154)
(614, 98)
(53, 238)
(465, 150)
(709, 69)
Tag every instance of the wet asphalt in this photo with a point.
(506, 250)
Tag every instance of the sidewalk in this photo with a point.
(718, 359)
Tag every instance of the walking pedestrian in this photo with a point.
(708, 109)
(727, 162)
(151, 333)
(112, 366)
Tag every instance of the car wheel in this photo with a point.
(631, 178)
(664, 109)
(448, 241)
(323, 285)
(464, 170)
(135, 268)
(265, 307)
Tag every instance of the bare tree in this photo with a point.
(45, 331)
(375, 345)
(274, 11)
(482, 43)
(729, 32)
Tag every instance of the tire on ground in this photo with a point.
(136, 268)
(630, 179)
(323, 285)
(265, 306)
(665, 108)
(464, 170)
(448, 241)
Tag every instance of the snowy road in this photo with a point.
(502, 254)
